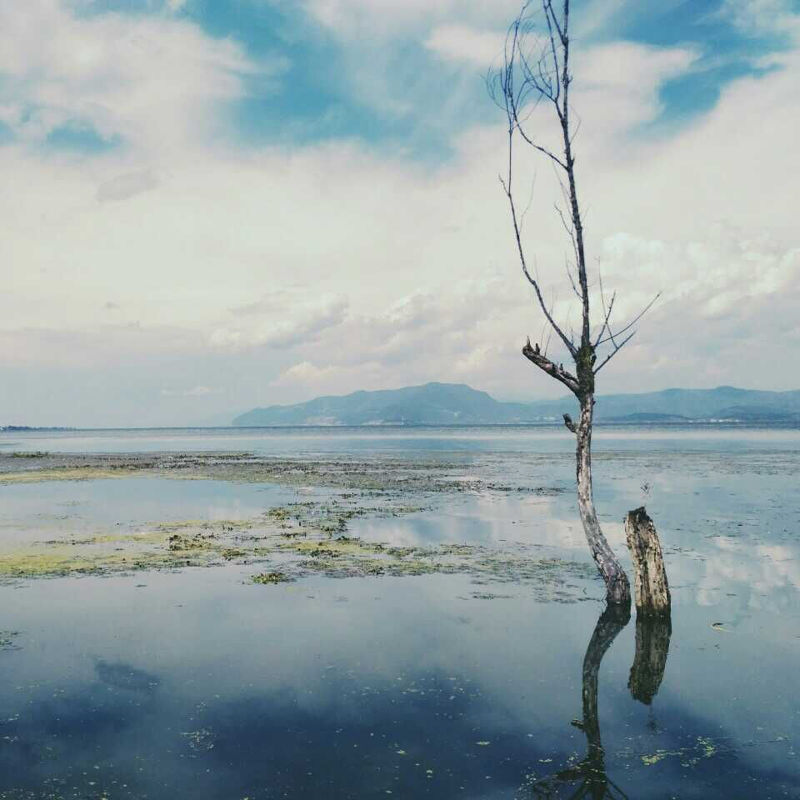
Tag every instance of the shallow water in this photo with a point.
(308, 441)
(61, 510)
(200, 684)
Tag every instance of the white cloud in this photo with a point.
(760, 17)
(306, 375)
(154, 82)
(384, 17)
(195, 391)
(121, 187)
(281, 320)
(462, 43)
(332, 267)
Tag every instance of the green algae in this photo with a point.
(267, 578)
(704, 747)
(65, 474)
(264, 542)
(294, 540)
(362, 476)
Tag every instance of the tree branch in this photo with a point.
(535, 146)
(611, 336)
(605, 326)
(617, 348)
(521, 252)
(557, 371)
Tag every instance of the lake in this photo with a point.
(478, 663)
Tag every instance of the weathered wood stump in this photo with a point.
(650, 578)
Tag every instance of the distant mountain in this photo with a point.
(722, 403)
(431, 404)
(458, 404)
(27, 428)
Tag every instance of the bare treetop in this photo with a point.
(536, 71)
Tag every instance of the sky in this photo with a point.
(213, 205)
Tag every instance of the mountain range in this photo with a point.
(459, 404)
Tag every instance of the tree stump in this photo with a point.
(650, 577)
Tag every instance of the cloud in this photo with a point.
(465, 44)
(386, 17)
(97, 346)
(294, 270)
(153, 82)
(307, 375)
(281, 320)
(760, 17)
(195, 391)
(121, 187)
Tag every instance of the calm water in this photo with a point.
(198, 684)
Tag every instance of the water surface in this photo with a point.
(200, 684)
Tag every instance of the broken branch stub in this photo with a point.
(650, 576)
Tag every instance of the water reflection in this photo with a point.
(652, 647)
(588, 778)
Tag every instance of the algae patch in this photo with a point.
(267, 578)
(286, 558)
(307, 537)
(703, 747)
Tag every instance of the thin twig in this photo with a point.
(627, 327)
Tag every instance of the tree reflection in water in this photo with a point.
(588, 777)
(652, 647)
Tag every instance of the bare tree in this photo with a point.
(536, 71)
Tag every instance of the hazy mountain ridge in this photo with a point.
(459, 404)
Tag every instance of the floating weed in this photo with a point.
(201, 740)
(703, 747)
(198, 541)
(293, 540)
(355, 478)
(267, 578)
(65, 474)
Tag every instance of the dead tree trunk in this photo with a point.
(536, 69)
(618, 590)
(650, 576)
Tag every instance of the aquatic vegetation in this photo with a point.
(312, 532)
(364, 476)
(268, 578)
(690, 756)
(304, 546)
(201, 740)
(338, 649)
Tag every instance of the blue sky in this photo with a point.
(241, 202)
(316, 96)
